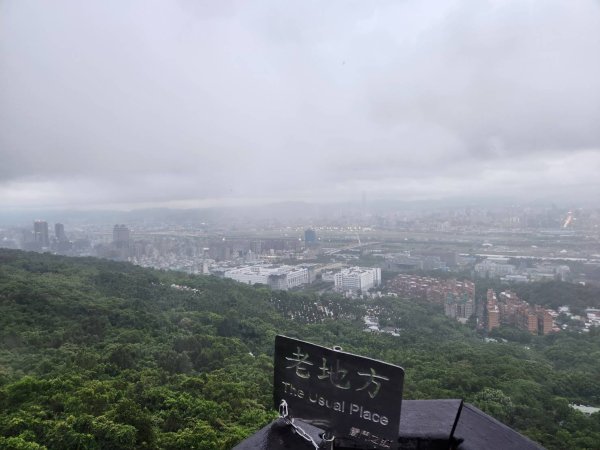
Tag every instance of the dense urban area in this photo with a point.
(435, 256)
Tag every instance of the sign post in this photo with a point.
(349, 396)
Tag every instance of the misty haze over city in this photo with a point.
(123, 105)
(258, 225)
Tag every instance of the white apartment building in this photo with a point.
(281, 278)
(357, 278)
(248, 275)
(493, 269)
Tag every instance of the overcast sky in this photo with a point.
(190, 103)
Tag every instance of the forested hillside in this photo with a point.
(104, 355)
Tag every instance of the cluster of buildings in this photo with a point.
(457, 297)
(351, 280)
(584, 322)
(232, 248)
(494, 268)
(39, 238)
(169, 252)
(204, 255)
(192, 252)
(508, 309)
(229, 249)
(593, 317)
(438, 260)
(499, 267)
(122, 247)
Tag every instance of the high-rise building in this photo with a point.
(59, 232)
(458, 307)
(435, 290)
(526, 319)
(40, 233)
(545, 320)
(310, 237)
(121, 236)
(493, 312)
(493, 317)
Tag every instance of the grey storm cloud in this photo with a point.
(141, 102)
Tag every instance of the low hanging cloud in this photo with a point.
(141, 102)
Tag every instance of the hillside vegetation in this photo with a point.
(97, 354)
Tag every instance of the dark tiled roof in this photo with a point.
(424, 425)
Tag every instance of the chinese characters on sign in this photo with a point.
(348, 395)
(363, 435)
(337, 376)
(298, 362)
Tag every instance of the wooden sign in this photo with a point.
(347, 395)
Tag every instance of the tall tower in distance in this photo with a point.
(121, 236)
(310, 238)
(40, 233)
(59, 232)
